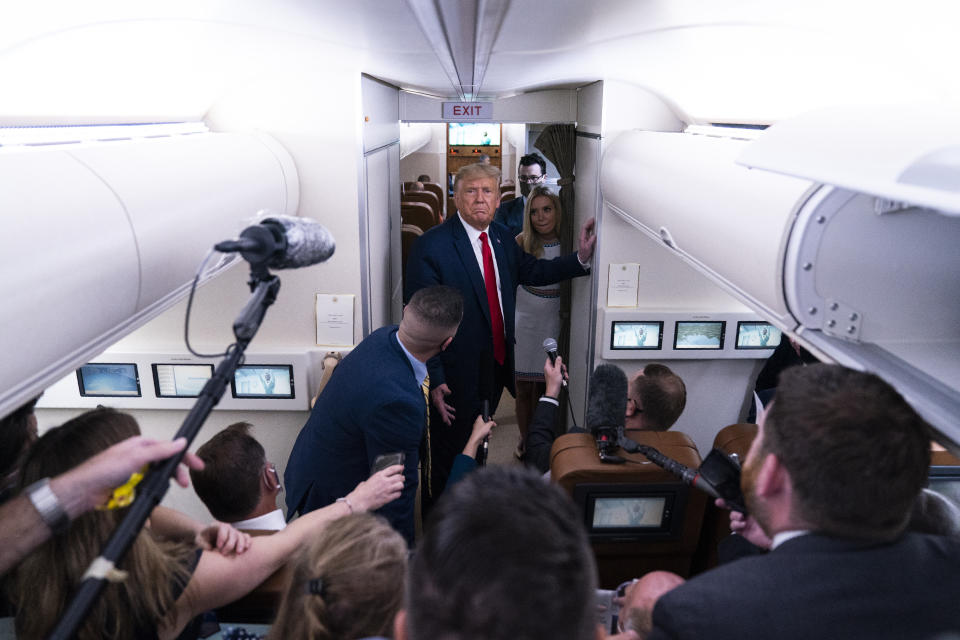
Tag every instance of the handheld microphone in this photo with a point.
(550, 346)
(485, 445)
(282, 242)
(606, 407)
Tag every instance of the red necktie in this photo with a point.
(496, 317)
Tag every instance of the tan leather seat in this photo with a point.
(437, 190)
(427, 198)
(574, 463)
(418, 214)
(507, 195)
(734, 438)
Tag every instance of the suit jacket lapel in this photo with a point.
(469, 259)
(507, 286)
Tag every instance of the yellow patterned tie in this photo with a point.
(425, 387)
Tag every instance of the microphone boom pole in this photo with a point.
(157, 479)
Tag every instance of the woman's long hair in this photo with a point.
(45, 580)
(531, 241)
(347, 583)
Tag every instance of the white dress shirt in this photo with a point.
(474, 236)
(273, 521)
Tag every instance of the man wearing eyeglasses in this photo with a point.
(532, 172)
(656, 396)
(238, 484)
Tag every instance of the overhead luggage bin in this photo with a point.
(842, 229)
(102, 237)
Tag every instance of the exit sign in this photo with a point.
(468, 111)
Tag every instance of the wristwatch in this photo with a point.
(47, 504)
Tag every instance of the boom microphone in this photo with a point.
(282, 242)
(718, 476)
(606, 406)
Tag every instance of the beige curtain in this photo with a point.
(558, 142)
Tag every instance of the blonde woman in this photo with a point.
(163, 586)
(538, 308)
(347, 584)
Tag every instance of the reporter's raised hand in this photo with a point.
(91, 483)
(377, 490)
(746, 526)
(554, 373)
(224, 538)
(480, 431)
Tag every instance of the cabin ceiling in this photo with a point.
(737, 60)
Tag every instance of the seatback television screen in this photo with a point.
(109, 380)
(474, 134)
(699, 335)
(757, 335)
(628, 512)
(263, 381)
(627, 335)
(180, 380)
(631, 512)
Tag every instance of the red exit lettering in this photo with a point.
(461, 110)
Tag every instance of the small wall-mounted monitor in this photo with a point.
(180, 380)
(631, 512)
(263, 381)
(473, 134)
(757, 335)
(109, 380)
(699, 335)
(626, 335)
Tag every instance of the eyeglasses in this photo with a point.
(531, 178)
(276, 477)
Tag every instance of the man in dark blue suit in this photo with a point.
(830, 482)
(482, 260)
(374, 404)
(531, 173)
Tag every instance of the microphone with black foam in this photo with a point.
(717, 476)
(282, 242)
(606, 407)
(550, 346)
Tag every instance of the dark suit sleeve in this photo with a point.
(398, 426)
(538, 272)
(423, 268)
(540, 437)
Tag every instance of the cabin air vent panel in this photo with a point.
(78, 134)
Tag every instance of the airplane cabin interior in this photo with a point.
(759, 171)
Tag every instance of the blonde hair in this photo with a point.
(347, 583)
(475, 172)
(44, 581)
(530, 240)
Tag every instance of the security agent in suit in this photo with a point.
(374, 404)
(471, 369)
(531, 173)
(830, 481)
